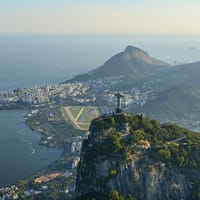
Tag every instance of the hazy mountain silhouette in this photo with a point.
(133, 63)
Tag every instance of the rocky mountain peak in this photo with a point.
(134, 51)
(139, 54)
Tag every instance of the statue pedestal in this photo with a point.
(118, 110)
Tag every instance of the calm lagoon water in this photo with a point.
(20, 153)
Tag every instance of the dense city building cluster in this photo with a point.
(43, 94)
(9, 192)
(78, 92)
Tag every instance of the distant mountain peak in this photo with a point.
(134, 50)
(132, 63)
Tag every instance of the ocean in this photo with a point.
(43, 59)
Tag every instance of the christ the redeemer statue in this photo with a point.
(119, 96)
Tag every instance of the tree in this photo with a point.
(113, 195)
(115, 142)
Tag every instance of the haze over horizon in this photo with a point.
(123, 16)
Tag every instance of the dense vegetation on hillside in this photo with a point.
(120, 138)
(179, 104)
(178, 96)
(169, 143)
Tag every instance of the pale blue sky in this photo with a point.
(102, 16)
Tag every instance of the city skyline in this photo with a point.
(66, 16)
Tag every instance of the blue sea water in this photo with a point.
(43, 59)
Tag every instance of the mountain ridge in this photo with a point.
(133, 63)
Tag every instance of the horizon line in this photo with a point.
(91, 33)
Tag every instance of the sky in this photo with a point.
(100, 16)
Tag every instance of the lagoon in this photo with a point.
(20, 153)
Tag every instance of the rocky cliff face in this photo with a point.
(121, 154)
